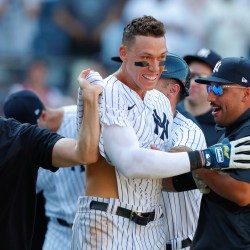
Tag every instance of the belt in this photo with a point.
(137, 217)
(64, 223)
(184, 243)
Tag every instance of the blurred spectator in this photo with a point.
(50, 39)
(94, 16)
(74, 27)
(36, 80)
(226, 25)
(18, 24)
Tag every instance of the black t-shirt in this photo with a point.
(223, 225)
(23, 148)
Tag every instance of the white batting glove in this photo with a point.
(223, 156)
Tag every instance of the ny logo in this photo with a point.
(203, 52)
(217, 66)
(161, 124)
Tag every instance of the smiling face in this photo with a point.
(228, 107)
(143, 49)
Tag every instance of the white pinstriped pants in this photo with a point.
(97, 230)
(57, 237)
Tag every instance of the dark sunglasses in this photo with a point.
(218, 89)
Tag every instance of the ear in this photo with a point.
(174, 89)
(246, 97)
(43, 116)
(123, 52)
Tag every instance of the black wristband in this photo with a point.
(195, 160)
(184, 182)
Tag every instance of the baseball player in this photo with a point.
(181, 210)
(61, 189)
(121, 207)
(25, 147)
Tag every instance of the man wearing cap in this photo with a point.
(25, 147)
(61, 189)
(201, 65)
(224, 221)
(26, 107)
(181, 210)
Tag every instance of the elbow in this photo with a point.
(89, 158)
(127, 170)
(243, 200)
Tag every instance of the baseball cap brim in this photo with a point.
(116, 59)
(208, 80)
(190, 59)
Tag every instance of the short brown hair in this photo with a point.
(143, 26)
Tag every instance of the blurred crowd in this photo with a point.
(44, 44)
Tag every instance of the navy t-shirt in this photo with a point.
(23, 148)
(223, 225)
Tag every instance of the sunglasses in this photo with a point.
(218, 89)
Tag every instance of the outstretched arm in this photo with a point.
(69, 152)
(122, 148)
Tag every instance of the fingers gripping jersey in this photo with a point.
(95, 79)
(151, 120)
(181, 210)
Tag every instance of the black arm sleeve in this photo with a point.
(184, 182)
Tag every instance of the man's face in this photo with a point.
(228, 107)
(145, 49)
(198, 92)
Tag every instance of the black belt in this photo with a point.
(184, 243)
(64, 223)
(137, 217)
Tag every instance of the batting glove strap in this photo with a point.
(195, 159)
(217, 156)
(228, 155)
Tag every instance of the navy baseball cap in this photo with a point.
(204, 55)
(230, 70)
(24, 106)
(116, 59)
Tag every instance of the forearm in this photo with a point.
(226, 186)
(122, 147)
(89, 132)
(88, 117)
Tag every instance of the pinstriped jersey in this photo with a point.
(151, 119)
(181, 209)
(62, 189)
